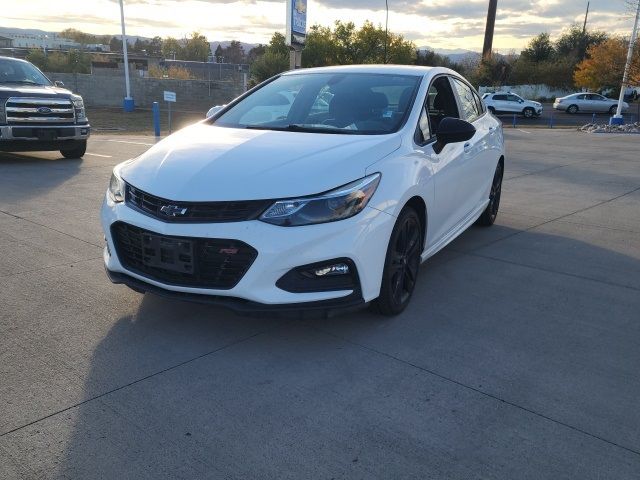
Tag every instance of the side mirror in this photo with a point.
(213, 110)
(58, 83)
(452, 130)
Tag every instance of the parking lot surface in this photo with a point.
(518, 357)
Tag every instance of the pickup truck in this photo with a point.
(37, 114)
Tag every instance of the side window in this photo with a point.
(470, 110)
(423, 126)
(500, 97)
(581, 97)
(481, 106)
(513, 98)
(440, 102)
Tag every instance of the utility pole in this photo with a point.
(617, 119)
(584, 25)
(128, 101)
(386, 30)
(488, 32)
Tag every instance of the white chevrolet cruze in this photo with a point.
(334, 203)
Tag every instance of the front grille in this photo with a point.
(205, 212)
(26, 132)
(49, 111)
(183, 261)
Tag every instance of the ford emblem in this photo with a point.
(44, 110)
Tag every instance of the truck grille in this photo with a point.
(182, 261)
(205, 212)
(49, 111)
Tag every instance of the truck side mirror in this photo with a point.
(58, 83)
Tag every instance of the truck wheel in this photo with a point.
(613, 109)
(76, 151)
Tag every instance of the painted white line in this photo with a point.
(98, 155)
(123, 141)
(523, 131)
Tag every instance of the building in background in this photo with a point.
(6, 42)
(34, 40)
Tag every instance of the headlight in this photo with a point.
(338, 204)
(3, 115)
(78, 105)
(116, 188)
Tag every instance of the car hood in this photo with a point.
(9, 90)
(208, 163)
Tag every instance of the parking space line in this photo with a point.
(124, 141)
(523, 131)
(98, 155)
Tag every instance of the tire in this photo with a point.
(490, 213)
(401, 264)
(613, 109)
(529, 112)
(75, 152)
(492, 110)
(572, 109)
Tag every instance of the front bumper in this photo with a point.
(28, 132)
(362, 238)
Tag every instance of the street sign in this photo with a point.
(169, 96)
(296, 22)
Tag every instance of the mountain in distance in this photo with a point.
(457, 55)
(226, 43)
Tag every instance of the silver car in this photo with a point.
(587, 102)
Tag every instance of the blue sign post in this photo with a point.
(296, 30)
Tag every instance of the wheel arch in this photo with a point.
(418, 204)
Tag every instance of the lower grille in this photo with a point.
(182, 261)
(232, 211)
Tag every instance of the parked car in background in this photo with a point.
(588, 102)
(37, 114)
(507, 102)
(328, 204)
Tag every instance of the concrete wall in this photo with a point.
(105, 90)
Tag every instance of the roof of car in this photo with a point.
(416, 70)
(12, 58)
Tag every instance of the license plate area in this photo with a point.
(166, 253)
(46, 134)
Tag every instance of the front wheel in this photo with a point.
(492, 110)
(490, 213)
(613, 109)
(77, 151)
(528, 112)
(572, 109)
(401, 264)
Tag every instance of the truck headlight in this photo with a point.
(78, 106)
(338, 204)
(3, 113)
(116, 188)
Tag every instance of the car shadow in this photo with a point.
(472, 319)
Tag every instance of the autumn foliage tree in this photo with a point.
(604, 65)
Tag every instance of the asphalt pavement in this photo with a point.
(518, 357)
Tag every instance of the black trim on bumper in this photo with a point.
(323, 308)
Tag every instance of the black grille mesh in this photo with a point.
(202, 262)
(213, 212)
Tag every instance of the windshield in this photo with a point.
(345, 103)
(13, 71)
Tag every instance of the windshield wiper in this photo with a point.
(299, 127)
(23, 82)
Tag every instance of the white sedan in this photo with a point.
(333, 204)
(588, 102)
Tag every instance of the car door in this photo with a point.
(514, 102)
(599, 103)
(582, 102)
(479, 158)
(447, 166)
(500, 102)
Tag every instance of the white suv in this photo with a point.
(507, 102)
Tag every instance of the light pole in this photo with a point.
(617, 119)
(386, 30)
(128, 103)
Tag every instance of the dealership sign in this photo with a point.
(296, 22)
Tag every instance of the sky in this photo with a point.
(440, 24)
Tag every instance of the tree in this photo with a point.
(605, 65)
(574, 43)
(274, 60)
(171, 47)
(115, 44)
(255, 53)
(234, 53)
(219, 54)
(38, 58)
(539, 49)
(196, 48)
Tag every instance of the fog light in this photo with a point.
(83, 131)
(336, 269)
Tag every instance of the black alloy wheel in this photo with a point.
(402, 264)
(528, 112)
(613, 109)
(490, 213)
(572, 109)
